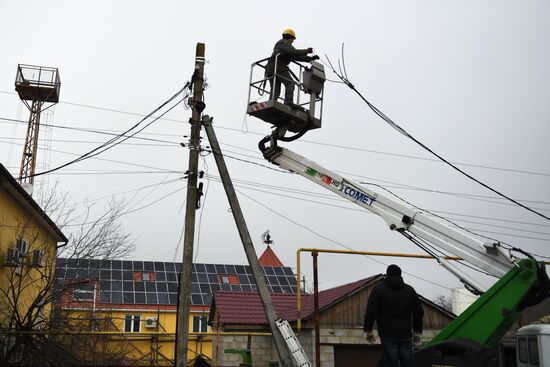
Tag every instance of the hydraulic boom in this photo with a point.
(470, 339)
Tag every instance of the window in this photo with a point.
(533, 351)
(522, 350)
(200, 324)
(84, 292)
(83, 295)
(132, 323)
(145, 277)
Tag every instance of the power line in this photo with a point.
(122, 137)
(366, 212)
(300, 141)
(95, 131)
(331, 240)
(343, 76)
(309, 193)
(132, 210)
(105, 159)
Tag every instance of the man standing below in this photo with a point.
(284, 52)
(397, 311)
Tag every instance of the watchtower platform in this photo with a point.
(37, 83)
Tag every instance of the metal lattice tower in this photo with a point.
(38, 87)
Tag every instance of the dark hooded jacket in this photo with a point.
(395, 307)
(287, 53)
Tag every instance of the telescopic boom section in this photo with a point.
(489, 257)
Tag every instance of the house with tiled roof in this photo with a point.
(341, 324)
(138, 300)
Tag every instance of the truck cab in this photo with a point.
(533, 345)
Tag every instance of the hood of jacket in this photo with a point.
(394, 281)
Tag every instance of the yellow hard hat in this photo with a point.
(290, 32)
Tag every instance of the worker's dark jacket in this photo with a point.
(287, 53)
(395, 307)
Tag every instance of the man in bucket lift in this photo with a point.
(287, 53)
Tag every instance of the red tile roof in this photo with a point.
(268, 258)
(246, 308)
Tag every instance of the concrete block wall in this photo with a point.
(262, 348)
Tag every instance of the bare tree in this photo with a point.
(444, 302)
(32, 334)
(99, 237)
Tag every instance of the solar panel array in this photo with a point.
(122, 281)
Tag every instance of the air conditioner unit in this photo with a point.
(12, 258)
(151, 322)
(23, 247)
(37, 259)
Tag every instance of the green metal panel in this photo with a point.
(487, 320)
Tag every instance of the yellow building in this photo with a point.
(130, 305)
(28, 244)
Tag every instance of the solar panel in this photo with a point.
(138, 265)
(125, 281)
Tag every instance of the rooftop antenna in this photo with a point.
(38, 87)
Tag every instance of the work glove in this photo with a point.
(417, 339)
(369, 337)
(309, 50)
(315, 57)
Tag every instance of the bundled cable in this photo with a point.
(343, 75)
(122, 137)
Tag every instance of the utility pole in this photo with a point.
(269, 309)
(182, 332)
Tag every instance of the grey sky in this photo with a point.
(469, 79)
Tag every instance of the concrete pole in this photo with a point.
(182, 332)
(269, 309)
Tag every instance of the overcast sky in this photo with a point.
(469, 79)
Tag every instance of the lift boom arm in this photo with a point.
(487, 256)
(468, 340)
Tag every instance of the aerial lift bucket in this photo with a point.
(302, 116)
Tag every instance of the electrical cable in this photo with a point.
(114, 141)
(111, 160)
(343, 76)
(133, 210)
(205, 194)
(455, 224)
(456, 194)
(331, 240)
(304, 141)
(461, 262)
(330, 196)
(247, 184)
